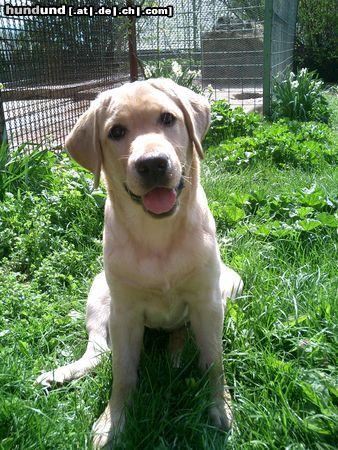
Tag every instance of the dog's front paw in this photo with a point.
(107, 427)
(221, 414)
(46, 379)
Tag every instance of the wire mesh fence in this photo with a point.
(223, 39)
(279, 39)
(53, 65)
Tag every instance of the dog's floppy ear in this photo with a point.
(83, 142)
(195, 108)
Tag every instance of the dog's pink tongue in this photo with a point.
(160, 200)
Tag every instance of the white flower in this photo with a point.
(193, 72)
(176, 68)
(147, 71)
(294, 84)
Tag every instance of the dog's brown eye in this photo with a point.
(167, 119)
(117, 132)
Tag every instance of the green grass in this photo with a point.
(280, 337)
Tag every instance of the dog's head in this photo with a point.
(145, 136)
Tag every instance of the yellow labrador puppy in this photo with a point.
(162, 267)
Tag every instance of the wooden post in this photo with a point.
(132, 46)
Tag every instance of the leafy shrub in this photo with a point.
(316, 39)
(300, 97)
(228, 123)
(283, 143)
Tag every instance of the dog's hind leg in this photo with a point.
(231, 284)
(98, 310)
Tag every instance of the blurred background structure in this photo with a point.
(53, 66)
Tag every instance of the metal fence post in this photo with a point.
(3, 134)
(132, 46)
(194, 24)
(268, 14)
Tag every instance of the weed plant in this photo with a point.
(277, 226)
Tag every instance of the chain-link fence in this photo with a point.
(52, 66)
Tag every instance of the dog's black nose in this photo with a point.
(153, 168)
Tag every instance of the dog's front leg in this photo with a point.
(126, 331)
(207, 324)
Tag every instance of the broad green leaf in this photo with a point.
(240, 198)
(313, 196)
(234, 213)
(263, 230)
(328, 219)
(277, 363)
(308, 224)
(282, 232)
(303, 211)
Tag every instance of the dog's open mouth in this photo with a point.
(160, 201)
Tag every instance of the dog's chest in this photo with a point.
(166, 310)
(160, 289)
(161, 270)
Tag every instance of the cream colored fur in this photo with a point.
(161, 273)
